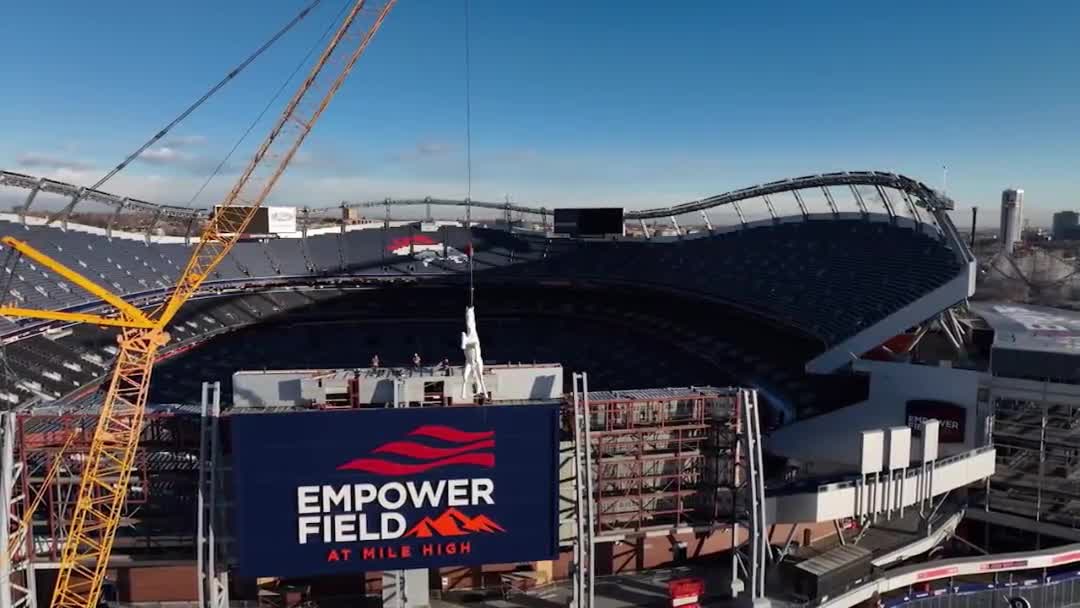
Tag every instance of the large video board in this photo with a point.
(596, 221)
(267, 220)
(388, 489)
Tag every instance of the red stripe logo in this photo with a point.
(430, 447)
(405, 242)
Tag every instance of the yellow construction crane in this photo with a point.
(104, 483)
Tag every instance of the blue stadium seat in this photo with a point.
(829, 278)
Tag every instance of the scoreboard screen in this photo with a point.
(267, 220)
(593, 221)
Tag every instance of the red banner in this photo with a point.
(936, 573)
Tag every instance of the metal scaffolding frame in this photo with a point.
(1037, 475)
(211, 564)
(159, 516)
(649, 459)
(583, 568)
(748, 494)
(674, 460)
(18, 587)
(668, 462)
(662, 460)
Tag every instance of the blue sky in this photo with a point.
(632, 102)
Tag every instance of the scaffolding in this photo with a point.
(211, 565)
(668, 462)
(658, 462)
(659, 457)
(174, 494)
(159, 517)
(18, 585)
(584, 567)
(1037, 473)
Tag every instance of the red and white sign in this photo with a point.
(1066, 558)
(425, 249)
(928, 575)
(1006, 565)
(686, 592)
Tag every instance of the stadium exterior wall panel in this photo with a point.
(840, 500)
(891, 386)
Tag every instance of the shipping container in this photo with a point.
(831, 572)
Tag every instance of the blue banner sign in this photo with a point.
(390, 489)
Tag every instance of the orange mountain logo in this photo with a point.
(454, 523)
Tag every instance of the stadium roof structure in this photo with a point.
(1034, 342)
(913, 192)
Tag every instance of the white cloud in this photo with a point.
(327, 191)
(303, 158)
(432, 148)
(180, 141)
(331, 190)
(164, 155)
(514, 155)
(32, 160)
(424, 150)
(171, 175)
(171, 151)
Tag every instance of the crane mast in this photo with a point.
(105, 479)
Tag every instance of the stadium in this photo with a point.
(831, 324)
(801, 393)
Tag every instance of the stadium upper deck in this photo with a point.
(829, 277)
(850, 280)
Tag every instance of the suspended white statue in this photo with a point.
(474, 361)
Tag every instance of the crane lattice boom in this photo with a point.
(105, 479)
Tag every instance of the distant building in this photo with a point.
(351, 215)
(1065, 224)
(1012, 216)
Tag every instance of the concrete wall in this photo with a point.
(280, 388)
(830, 441)
(529, 381)
(272, 389)
(846, 499)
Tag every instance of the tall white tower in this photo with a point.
(1012, 217)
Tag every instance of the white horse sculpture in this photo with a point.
(474, 360)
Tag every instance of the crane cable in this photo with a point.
(269, 104)
(468, 156)
(13, 256)
(228, 77)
